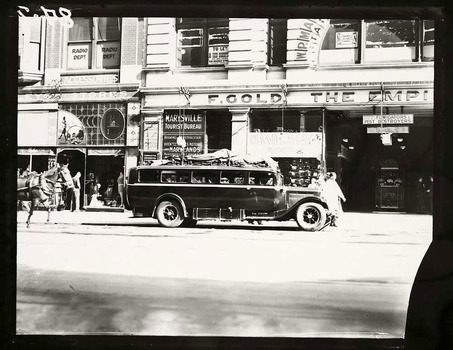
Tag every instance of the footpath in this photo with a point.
(351, 221)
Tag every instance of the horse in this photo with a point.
(40, 188)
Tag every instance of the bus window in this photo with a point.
(232, 177)
(204, 177)
(148, 175)
(175, 176)
(261, 178)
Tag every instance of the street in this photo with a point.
(112, 274)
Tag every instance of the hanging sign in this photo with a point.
(388, 130)
(388, 119)
(276, 144)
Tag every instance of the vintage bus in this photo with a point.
(183, 194)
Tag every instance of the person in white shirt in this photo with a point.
(333, 196)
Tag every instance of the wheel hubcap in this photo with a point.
(311, 216)
(170, 213)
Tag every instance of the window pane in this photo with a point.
(81, 31)
(277, 42)
(341, 34)
(261, 179)
(109, 28)
(108, 54)
(190, 43)
(428, 40)
(390, 40)
(276, 121)
(390, 33)
(232, 177)
(341, 42)
(203, 177)
(218, 46)
(149, 176)
(175, 176)
(79, 56)
(35, 29)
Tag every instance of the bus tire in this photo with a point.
(169, 213)
(311, 216)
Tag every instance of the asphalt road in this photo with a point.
(226, 279)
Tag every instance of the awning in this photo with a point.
(105, 152)
(35, 152)
(59, 150)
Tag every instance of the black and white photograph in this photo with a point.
(226, 175)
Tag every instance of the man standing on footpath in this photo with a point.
(333, 194)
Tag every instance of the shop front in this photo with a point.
(92, 141)
(377, 137)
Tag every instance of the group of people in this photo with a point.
(332, 194)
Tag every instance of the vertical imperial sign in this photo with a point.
(187, 124)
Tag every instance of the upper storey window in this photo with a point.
(94, 43)
(30, 44)
(277, 41)
(202, 42)
(375, 41)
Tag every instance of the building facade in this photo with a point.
(78, 98)
(350, 96)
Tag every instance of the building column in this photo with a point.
(239, 130)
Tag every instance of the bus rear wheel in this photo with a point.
(311, 216)
(169, 213)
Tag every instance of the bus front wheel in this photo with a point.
(310, 216)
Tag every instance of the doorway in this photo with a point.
(75, 160)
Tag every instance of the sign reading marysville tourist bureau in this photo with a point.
(190, 124)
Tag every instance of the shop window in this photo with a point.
(390, 40)
(94, 43)
(341, 43)
(202, 42)
(276, 120)
(277, 42)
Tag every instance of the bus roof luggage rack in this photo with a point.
(221, 157)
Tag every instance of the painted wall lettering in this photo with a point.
(64, 15)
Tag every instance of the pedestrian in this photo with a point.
(76, 193)
(421, 196)
(120, 181)
(58, 195)
(333, 196)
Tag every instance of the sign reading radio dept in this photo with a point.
(112, 124)
(388, 119)
(189, 124)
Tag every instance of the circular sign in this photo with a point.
(112, 124)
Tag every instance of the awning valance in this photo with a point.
(106, 152)
(35, 152)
